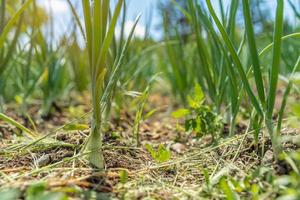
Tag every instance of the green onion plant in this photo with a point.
(100, 25)
(263, 104)
(229, 65)
(210, 66)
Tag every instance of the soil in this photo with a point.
(62, 166)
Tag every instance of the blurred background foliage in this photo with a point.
(36, 67)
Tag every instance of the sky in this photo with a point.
(63, 15)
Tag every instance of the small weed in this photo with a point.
(199, 118)
(160, 155)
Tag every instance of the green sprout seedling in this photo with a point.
(199, 118)
(160, 155)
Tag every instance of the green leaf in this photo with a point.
(207, 178)
(253, 51)
(180, 113)
(38, 191)
(76, 127)
(88, 28)
(238, 187)
(108, 39)
(10, 194)
(123, 176)
(13, 122)
(192, 103)
(199, 126)
(163, 154)
(150, 150)
(189, 125)
(230, 194)
(35, 190)
(255, 191)
(274, 73)
(199, 95)
(296, 110)
(265, 50)
(197, 100)
(150, 113)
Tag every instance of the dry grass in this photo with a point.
(62, 166)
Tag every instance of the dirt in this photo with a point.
(189, 155)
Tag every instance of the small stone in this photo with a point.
(44, 160)
(178, 147)
(268, 158)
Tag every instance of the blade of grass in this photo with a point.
(109, 36)
(274, 77)
(97, 34)
(231, 21)
(253, 52)
(13, 122)
(276, 58)
(269, 47)
(88, 29)
(105, 14)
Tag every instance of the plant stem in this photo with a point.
(94, 146)
(274, 138)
